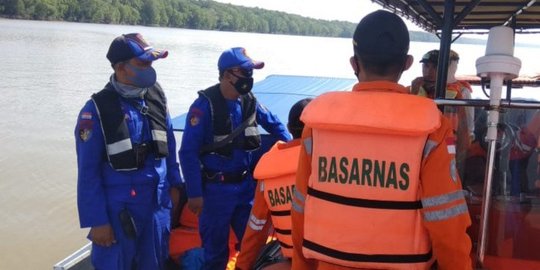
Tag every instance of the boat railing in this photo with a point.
(79, 260)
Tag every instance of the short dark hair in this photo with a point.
(381, 37)
(295, 125)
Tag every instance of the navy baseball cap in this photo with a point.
(132, 45)
(237, 57)
(380, 37)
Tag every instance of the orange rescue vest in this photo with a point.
(453, 91)
(362, 207)
(277, 170)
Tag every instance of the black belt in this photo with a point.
(224, 177)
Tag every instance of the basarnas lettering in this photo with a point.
(281, 195)
(365, 172)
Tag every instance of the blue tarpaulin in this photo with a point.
(279, 92)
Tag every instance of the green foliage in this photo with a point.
(193, 14)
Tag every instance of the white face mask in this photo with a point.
(452, 68)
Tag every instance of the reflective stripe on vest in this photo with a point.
(364, 185)
(456, 206)
(277, 170)
(255, 223)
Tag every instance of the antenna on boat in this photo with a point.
(498, 64)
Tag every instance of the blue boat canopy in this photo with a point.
(279, 92)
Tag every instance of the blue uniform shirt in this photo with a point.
(99, 184)
(198, 132)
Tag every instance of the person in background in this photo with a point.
(462, 118)
(378, 170)
(275, 174)
(127, 167)
(220, 134)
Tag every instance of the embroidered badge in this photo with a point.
(195, 116)
(85, 129)
(194, 120)
(85, 134)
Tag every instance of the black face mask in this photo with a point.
(243, 85)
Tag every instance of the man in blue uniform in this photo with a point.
(127, 168)
(216, 153)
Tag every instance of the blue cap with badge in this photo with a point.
(237, 57)
(133, 45)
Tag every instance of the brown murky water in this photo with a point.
(49, 69)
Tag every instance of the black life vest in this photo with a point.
(120, 151)
(222, 124)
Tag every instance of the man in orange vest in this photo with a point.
(377, 186)
(462, 118)
(275, 173)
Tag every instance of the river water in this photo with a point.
(49, 69)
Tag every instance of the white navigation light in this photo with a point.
(498, 64)
(499, 56)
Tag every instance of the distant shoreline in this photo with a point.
(415, 36)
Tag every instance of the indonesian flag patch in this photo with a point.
(85, 126)
(451, 145)
(86, 116)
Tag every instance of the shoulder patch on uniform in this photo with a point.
(194, 120)
(85, 129)
(85, 134)
(86, 116)
(195, 116)
(451, 145)
(196, 112)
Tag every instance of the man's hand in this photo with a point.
(195, 205)
(416, 84)
(102, 235)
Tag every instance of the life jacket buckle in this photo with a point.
(141, 152)
(144, 110)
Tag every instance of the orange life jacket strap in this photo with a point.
(396, 205)
(378, 258)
